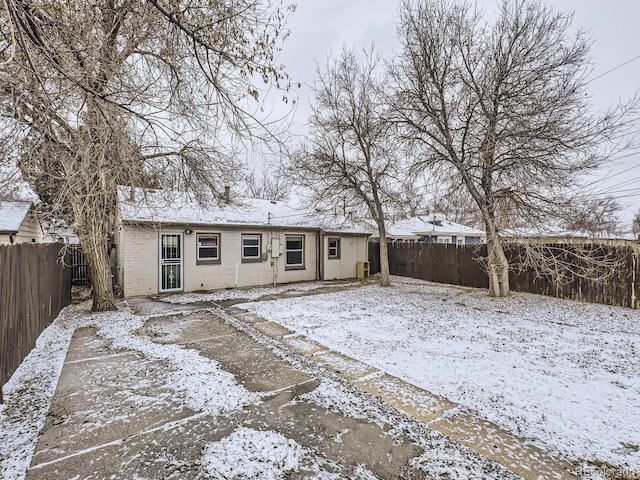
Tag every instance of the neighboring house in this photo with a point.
(19, 223)
(61, 234)
(565, 237)
(433, 228)
(166, 242)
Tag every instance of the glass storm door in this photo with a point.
(170, 262)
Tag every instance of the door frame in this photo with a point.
(161, 263)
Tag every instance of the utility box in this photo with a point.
(362, 270)
(275, 247)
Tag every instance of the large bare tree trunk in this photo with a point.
(93, 234)
(497, 266)
(385, 281)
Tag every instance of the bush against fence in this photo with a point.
(34, 287)
(462, 265)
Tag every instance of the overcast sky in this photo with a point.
(321, 26)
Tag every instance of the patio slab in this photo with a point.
(131, 398)
(254, 365)
(350, 368)
(183, 328)
(303, 345)
(272, 329)
(486, 438)
(408, 398)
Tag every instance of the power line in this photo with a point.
(613, 69)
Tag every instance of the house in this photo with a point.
(556, 235)
(433, 228)
(166, 242)
(60, 234)
(19, 223)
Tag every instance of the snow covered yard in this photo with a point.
(240, 437)
(561, 373)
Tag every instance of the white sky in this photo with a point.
(319, 27)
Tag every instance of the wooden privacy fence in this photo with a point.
(34, 287)
(462, 265)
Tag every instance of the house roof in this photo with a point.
(560, 233)
(12, 214)
(430, 225)
(174, 207)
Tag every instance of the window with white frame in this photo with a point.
(208, 247)
(334, 247)
(251, 247)
(294, 251)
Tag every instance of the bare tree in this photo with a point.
(599, 217)
(349, 160)
(96, 94)
(270, 184)
(635, 225)
(499, 110)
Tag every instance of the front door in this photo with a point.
(170, 262)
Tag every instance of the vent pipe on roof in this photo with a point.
(227, 194)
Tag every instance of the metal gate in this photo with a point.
(79, 271)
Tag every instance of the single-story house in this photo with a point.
(60, 234)
(561, 236)
(19, 223)
(166, 242)
(433, 228)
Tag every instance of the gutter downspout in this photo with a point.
(320, 266)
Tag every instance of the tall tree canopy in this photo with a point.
(350, 157)
(143, 93)
(498, 110)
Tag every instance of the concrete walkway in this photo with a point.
(112, 418)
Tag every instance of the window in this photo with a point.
(208, 248)
(294, 252)
(251, 248)
(334, 248)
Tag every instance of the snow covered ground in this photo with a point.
(196, 380)
(199, 383)
(254, 293)
(563, 374)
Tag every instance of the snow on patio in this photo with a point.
(202, 385)
(561, 373)
(197, 381)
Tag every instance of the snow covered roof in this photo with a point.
(163, 206)
(12, 214)
(561, 233)
(430, 225)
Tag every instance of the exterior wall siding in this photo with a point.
(28, 232)
(353, 249)
(138, 260)
(232, 272)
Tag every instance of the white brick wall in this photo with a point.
(138, 257)
(138, 261)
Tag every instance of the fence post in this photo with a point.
(634, 268)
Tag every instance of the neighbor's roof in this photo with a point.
(426, 225)
(12, 214)
(560, 233)
(160, 206)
